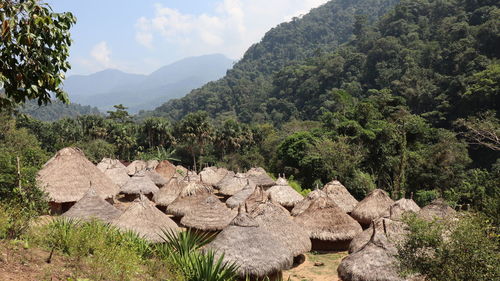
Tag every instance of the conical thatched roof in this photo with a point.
(241, 196)
(210, 214)
(108, 163)
(136, 167)
(156, 178)
(278, 221)
(92, 206)
(372, 207)
(395, 231)
(145, 219)
(374, 261)
(169, 192)
(212, 175)
(68, 175)
(182, 170)
(114, 170)
(166, 169)
(191, 195)
(340, 195)
(438, 209)
(139, 184)
(284, 194)
(324, 220)
(260, 177)
(251, 247)
(152, 164)
(302, 205)
(396, 210)
(230, 185)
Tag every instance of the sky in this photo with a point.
(140, 36)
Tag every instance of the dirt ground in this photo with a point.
(307, 271)
(20, 262)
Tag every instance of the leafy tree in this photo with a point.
(34, 49)
(194, 132)
(120, 114)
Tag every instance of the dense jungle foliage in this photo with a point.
(408, 104)
(57, 110)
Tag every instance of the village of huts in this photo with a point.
(258, 223)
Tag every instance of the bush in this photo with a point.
(425, 197)
(96, 150)
(464, 249)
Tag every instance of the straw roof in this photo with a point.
(212, 175)
(210, 214)
(438, 209)
(324, 220)
(181, 170)
(340, 195)
(372, 207)
(253, 248)
(260, 177)
(230, 185)
(139, 184)
(169, 192)
(166, 169)
(92, 206)
(108, 163)
(374, 261)
(152, 164)
(145, 219)
(136, 167)
(68, 175)
(191, 195)
(284, 194)
(395, 231)
(156, 178)
(239, 197)
(302, 205)
(396, 210)
(278, 221)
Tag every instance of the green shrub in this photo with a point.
(98, 149)
(464, 249)
(14, 220)
(425, 197)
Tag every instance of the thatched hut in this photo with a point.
(145, 219)
(260, 177)
(396, 210)
(92, 206)
(253, 248)
(230, 185)
(191, 195)
(340, 195)
(278, 221)
(114, 170)
(329, 227)
(212, 175)
(166, 169)
(68, 175)
(438, 209)
(375, 261)
(136, 167)
(181, 170)
(241, 196)
(139, 184)
(209, 215)
(156, 178)
(395, 231)
(302, 205)
(372, 207)
(152, 164)
(284, 194)
(169, 192)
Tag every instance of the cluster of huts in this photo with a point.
(262, 225)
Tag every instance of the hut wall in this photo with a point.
(277, 276)
(60, 208)
(325, 245)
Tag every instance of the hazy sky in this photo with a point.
(139, 36)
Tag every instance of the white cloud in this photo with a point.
(101, 54)
(230, 28)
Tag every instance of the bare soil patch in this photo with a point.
(308, 271)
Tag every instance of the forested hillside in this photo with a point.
(242, 91)
(57, 110)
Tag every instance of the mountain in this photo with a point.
(56, 110)
(241, 92)
(142, 92)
